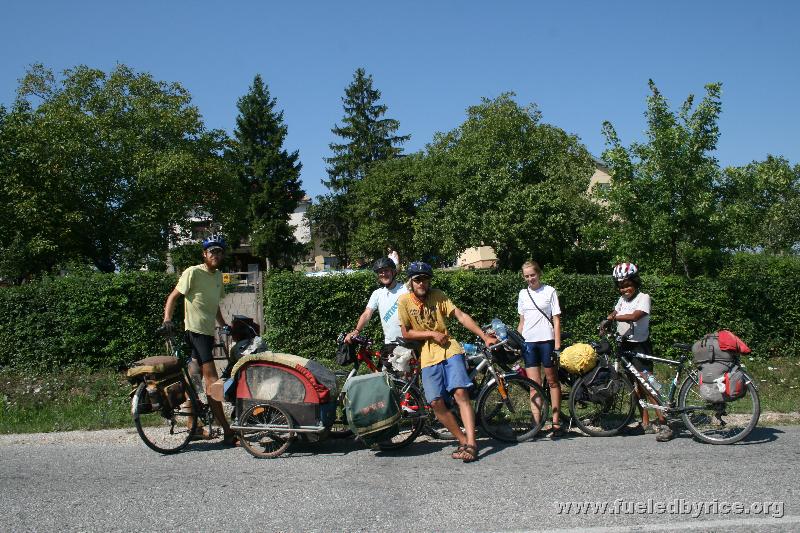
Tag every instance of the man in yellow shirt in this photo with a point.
(202, 290)
(422, 312)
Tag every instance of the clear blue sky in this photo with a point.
(580, 62)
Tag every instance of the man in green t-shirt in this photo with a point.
(422, 312)
(202, 290)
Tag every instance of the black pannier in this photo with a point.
(511, 351)
(599, 385)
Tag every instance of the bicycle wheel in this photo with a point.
(340, 429)
(718, 423)
(412, 415)
(519, 416)
(162, 429)
(266, 443)
(603, 416)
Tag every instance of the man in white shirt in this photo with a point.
(384, 300)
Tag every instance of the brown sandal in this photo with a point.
(201, 433)
(469, 453)
(458, 453)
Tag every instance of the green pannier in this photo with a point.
(372, 408)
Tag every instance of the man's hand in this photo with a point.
(348, 339)
(168, 327)
(440, 338)
(490, 339)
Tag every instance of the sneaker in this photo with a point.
(649, 429)
(665, 434)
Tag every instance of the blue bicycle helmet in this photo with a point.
(418, 268)
(214, 241)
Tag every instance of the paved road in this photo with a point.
(109, 481)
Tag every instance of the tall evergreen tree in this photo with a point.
(269, 174)
(367, 137)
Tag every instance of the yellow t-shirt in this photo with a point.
(430, 318)
(202, 292)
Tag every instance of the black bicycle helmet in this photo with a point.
(383, 262)
(418, 268)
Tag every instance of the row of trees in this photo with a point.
(505, 178)
(103, 168)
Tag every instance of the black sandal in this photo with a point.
(556, 431)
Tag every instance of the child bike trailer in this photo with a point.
(278, 397)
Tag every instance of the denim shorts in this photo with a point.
(538, 354)
(441, 379)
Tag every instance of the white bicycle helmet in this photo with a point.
(625, 271)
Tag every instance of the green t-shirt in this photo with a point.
(429, 317)
(202, 292)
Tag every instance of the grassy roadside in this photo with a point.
(65, 401)
(75, 399)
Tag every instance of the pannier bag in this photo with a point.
(511, 351)
(578, 358)
(711, 374)
(599, 385)
(735, 384)
(709, 349)
(346, 354)
(372, 408)
(721, 382)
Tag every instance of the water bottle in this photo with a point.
(469, 349)
(651, 379)
(499, 328)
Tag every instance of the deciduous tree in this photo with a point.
(760, 205)
(662, 194)
(503, 178)
(101, 167)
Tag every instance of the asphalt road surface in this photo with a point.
(109, 481)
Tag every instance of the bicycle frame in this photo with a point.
(201, 407)
(660, 405)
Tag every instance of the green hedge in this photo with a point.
(97, 320)
(751, 297)
(107, 320)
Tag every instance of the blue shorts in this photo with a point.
(539, 353)
(441, 379)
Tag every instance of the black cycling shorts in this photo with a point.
(639, 347)
(201, 347)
